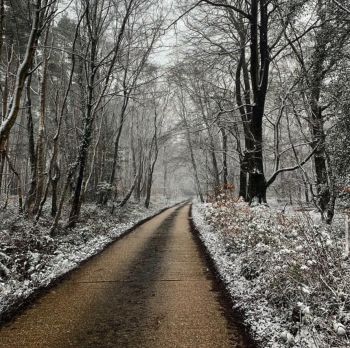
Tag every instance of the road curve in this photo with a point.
(151, 288)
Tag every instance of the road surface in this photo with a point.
(151, 288)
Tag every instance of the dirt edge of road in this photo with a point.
(227, 301)
(19, 307)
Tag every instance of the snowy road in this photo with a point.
(152, 288)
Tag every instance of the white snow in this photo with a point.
(285, 274)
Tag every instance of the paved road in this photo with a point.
(149, 289)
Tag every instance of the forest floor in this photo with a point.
(31, 259)
(152, 288)
(286, 272)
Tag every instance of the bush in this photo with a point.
(291, 266)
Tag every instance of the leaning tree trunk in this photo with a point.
(129, 193)
(21, 75)
(5, 95)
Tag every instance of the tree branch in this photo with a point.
(341, 6)
(290, 169)
(231, 7)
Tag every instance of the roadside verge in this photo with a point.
(219, 265)
(18, 295)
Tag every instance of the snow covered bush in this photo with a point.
(287, 274)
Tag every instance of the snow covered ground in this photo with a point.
(285, 273)
(30, 259)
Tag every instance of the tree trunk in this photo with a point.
(193, 161)
(54, 184)
(259, 72)
(2, 16)
(19, 183)
(82, 159)
(21, 75)
(137, 189)
(2, 166)
(129, 193)
(257, 182)
(40, 147)
(149, 187)
(5, 95)
(62, 200)
(245, 111)
(86, 139)
(149, 181)
(318, 136)
(214, 161)
(189, 142)
(316, 119)
(30, 197)
(117, 139)
(224, 158)
(243, 181)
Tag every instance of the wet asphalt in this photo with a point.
(152, 288)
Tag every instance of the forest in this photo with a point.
(100, 99)
(112, 110)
